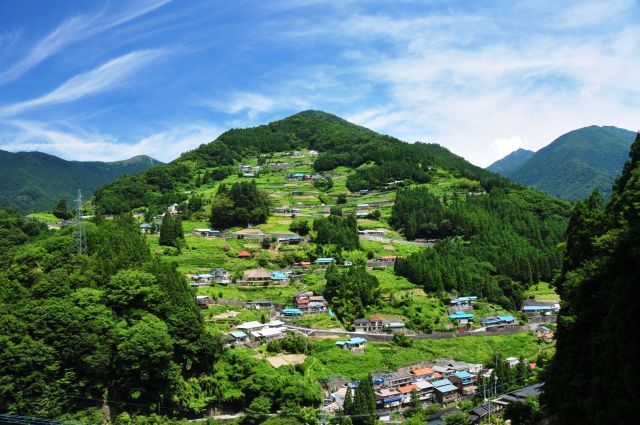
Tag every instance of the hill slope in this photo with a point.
(576, 162)
(35, 180)
(511, 162)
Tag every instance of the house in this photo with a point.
(376, 324)
(303, 264)
(445, 391)
(251, 326)
(422, 374)
(290, 239)
(347, 263)
(464, 303)
(204, 301)
(478, 414)
(256, 275)
(465, 382)
(350, 344)
(498, 320)
(221, 276)
(203, 279)
(146, 228)
(206, 232)
(373, 232)
(461, 317)
(388, 398)
(250, 233)
(395, 325)
(279, 277)
(291, 312)
(384, 261)
(296, 176)
(540, 308)
(244, 254)
(398, 378)
(361, 325)
(406, 390)
(259, 305)
(325, 261)
(173, 209)
(239, 337)
(425, 390)
(361, 207)
(513, 361)
(307, 302)
(269, 333)
(362, 214)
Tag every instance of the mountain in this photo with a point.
(577, 162)
(510, 162)
(597, 324)
(34, 181)
(378, 159)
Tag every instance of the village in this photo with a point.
(262, 284)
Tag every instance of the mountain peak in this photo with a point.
(510, 162)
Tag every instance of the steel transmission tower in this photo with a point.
(79, 233)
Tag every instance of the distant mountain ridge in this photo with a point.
(34, 181)
(575, 163)
(512, 161)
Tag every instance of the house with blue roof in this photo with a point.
(279, 277)
(445, 391)
(465, 382)
(325, 261)
(291, 312)
(498, 320)
(350, 344)
(239, 337)
(461, 317)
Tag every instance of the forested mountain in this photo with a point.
(338, 141)
(34, 181)
(511, 162)
(593, 377)
(576, 162)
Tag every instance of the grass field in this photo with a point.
(542, 291)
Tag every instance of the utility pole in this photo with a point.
(79, 232)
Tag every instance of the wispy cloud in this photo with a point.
(95, 81)
(76, 144)
(75, 29)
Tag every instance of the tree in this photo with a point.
(60, 210)
(364, 403)
(258, 411)
(457, 418)
(167, 229)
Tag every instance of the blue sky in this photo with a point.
(95, 80)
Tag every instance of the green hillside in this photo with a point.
(34, 181)
(577, 162)
(511, 162)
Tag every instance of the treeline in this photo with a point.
(492, 245)
(162, 185)
(240, 205)
(597, 324)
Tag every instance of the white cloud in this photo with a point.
(75, 29)
(95, 81)
(76, 144)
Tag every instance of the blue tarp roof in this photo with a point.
(392, 400)
(356, 340)
(463, 375)
(446, 388)
(441, 382)
(238, 334)
(507, 318)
